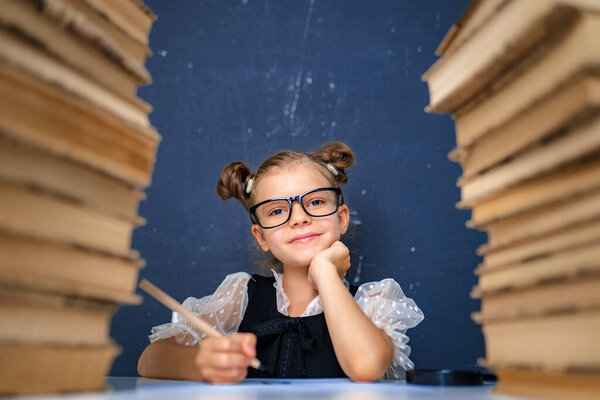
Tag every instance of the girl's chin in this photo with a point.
(303, 262)
(301, 258)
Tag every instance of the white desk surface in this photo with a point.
(333, 389)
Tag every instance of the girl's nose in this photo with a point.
(298, 216)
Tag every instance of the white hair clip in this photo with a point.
(249, 185)
(332, 169)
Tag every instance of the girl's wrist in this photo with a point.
(322, 272)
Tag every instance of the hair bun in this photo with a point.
(337, 154)
(233, 181)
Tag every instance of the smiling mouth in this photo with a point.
(304, 238)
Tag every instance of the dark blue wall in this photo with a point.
(240, 80)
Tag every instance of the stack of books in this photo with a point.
(76, 152)
(521, 79)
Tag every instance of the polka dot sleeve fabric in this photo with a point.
(389, 309)
(224, 310)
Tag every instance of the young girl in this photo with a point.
(305, 320)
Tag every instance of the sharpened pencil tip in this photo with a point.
(261, 367)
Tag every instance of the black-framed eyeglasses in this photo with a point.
(316, 203)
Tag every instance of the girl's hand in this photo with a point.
(335, 257)
(225, 359)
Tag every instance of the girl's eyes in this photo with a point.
(315, 203)
(276, 212)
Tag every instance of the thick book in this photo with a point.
(105, 30)
(570, 263)
(28, 165)
(554, 341)
(569, 147)
(562, 184)
(38, 368)
(131, 16)
(559, 385)
(562, 295)
(55, 267)
(61, 35)
(475, 17)
(17, 52)
(561, 109)
(43, 214)
(520, 26)
(33, 316)
(74, 128)
(578, 53)
(544, 220)
(541, 246)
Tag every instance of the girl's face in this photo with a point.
(296, 242)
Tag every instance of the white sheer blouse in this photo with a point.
(383, 302)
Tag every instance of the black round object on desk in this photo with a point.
(447, 377)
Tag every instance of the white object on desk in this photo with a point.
(259, 389)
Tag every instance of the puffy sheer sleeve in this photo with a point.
(224, 309)
(389, 309)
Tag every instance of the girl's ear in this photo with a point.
(260, 237)
(344, 218)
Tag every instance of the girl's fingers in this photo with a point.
(247, 341)
(239, 342)
(221, 344)
(231, 375)
(222, 366)
(226, 360)
(222, 359)
(340, 249)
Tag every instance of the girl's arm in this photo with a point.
(216, 360)
(179, 351)
(363, 350)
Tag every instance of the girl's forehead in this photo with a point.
(290, 180)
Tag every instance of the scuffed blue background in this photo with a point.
(240, 80)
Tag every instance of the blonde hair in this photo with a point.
(236, 175)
